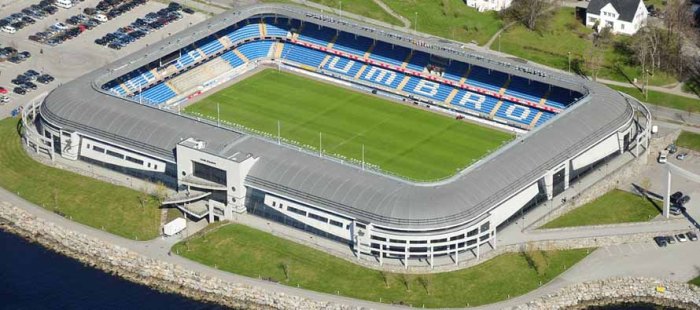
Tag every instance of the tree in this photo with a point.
(594, 60)
(285, 269)
(160, 192)
(533, 14)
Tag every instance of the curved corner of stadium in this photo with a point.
(121, 118)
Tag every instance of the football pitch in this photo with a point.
(400, 139)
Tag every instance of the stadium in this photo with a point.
(443, 188)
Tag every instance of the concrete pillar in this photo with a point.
(494, 237)
(549, 185)
(211, 212)
(381, 255)
(431, 256)
(405, 258)
(456, 255)
(667, 197)
(478, 254)
(566, 174)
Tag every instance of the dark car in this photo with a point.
(19, 81)
(674, 198)
(28, 20)
(45, 79)
(25, 54)
(19, 90)
(683, 200)
(692, 236)
(31, 72)
(188, 11)
(51, 9)
(661, 241)
(30, 85)
(16, 59)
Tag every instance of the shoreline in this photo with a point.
(159, 275)
(172, 278)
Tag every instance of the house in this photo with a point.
(489, 5)
(622, 16)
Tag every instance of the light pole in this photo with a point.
(415, 22)
(499, 42)
(569, 61)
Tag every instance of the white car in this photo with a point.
(663, 157)
(61, 26)
(681, 238)
(4, 99)
(9, 29)
(101, 17)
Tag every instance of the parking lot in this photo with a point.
(78, 55)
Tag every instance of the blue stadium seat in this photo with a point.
(439, 94)
(544, 118)
(256, 49)
(210, 45)
(455, 71)
(348, 43)
(484, 107)
(561, 98)
(481, 77)
(516, 113)
(419, 61)
(528, 90)
(387, 53)
(279, 29)
(341, 64)
(244, 32)
(312, 34)
(232, 58)
(303, 55)
(158, 94)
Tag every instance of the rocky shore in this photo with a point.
(172, 278)
(620, 290)
(152, 272)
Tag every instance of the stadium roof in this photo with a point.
(82, 106)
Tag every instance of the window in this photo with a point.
(472, 233)
(295, 210)
(318, 218)
(485, 227)
(209, 173)
(87, 145)
(98, 149)
(274, 203)
(115, 154)
(336, 223)
(622, 26)
(134, 160)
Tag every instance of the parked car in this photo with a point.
(3, 90)
(661, 241)
(30, 85)
(676, 210)
(670, 239)
(671, 148)
(663, 157)
(681, 156)
(692, 236)
(188, 11)
(45, 79)
(19, 91)
(9, 29)
(675, 196)
(4, 99)
(683, 200)
(681, 238)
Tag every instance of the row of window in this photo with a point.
(311, 215)
(118, 155)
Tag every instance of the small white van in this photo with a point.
(101, 17)
(9, 29)
(66, 4)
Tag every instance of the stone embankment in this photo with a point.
(620, 290)
(148, 271)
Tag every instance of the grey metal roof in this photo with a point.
(82, 106)
(626, 8)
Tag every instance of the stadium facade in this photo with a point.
(124, 116)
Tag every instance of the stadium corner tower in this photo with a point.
(126, 117)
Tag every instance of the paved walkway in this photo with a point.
(386, 8)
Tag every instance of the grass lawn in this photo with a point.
(87, 200)
(564, 35)
(695, 281)
(366, 8)
(662, 99)
(689, 140)
(450, 19)
(614, 207)
(250, 252)
(398, 138)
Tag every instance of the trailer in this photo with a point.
(175, 226)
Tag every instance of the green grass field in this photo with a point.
(83, 199)
(662, 99)
(398, 138)
(450, 19)
(695, 281)
(614, 207)
(249, 252)
(689, 140)
(366, 8)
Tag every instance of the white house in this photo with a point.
(489, 5)
(621, 16)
